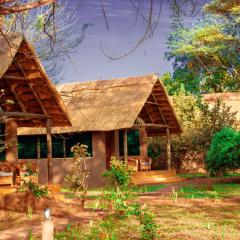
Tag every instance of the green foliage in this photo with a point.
(149, 227)
(206, 55)
(36, 189)
(121, 200)
(77, 177)
(119, 174)
(224, 152)
(40, 21)
(199, 121)
(31, 186)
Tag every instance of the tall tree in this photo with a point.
(206, 55)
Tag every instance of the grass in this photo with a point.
(217, 190)
(204, 175)
(192, 175)
(95, 192)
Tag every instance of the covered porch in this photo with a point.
(28, 99)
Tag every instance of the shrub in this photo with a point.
(30, 185)
(77, 177)
(224, 152)
(119, 173)
(36, 189)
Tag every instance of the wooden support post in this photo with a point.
(143, 142)
(64, 148)
(116, 143)
(38, 148)
(168, 150)
(49, 149)
(125, 146)
(11, 141)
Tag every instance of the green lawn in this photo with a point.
(204, 175)
(213, 191)
(95, 192)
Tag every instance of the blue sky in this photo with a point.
(89, 62)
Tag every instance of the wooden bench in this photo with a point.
(14, 173)
(139, 163)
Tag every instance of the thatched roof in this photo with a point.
(231, 99)
(25, 82)
(106, 105)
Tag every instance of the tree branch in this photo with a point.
(21, 8)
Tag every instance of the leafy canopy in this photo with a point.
(224, 152)
(206, 55)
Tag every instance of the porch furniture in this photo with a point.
(7, 174)
(145, 163)
(6, 178)
(133, 163)
(14, 173)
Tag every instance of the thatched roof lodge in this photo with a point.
(112, 111)
(28, 97)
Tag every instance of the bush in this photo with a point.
(77, 177)
(224, 152)
(119, 173)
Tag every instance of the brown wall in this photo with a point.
(96, 164)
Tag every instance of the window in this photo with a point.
(74, 138)
(133, 142)
(27, 147)
(57, 146)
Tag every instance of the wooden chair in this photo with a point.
(145, 163)
(7, 173)
(133, 163)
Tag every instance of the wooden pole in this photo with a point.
(11, 141)
(116, 143)
(49, 149)
(168, 143)
(143, 142)
(125, 146)
(38, 148)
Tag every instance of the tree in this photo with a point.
(224, 152)
(206, 55)
(14, 6)
(47, 27)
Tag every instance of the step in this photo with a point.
(159, 180)
(154, 173)
(7, 190)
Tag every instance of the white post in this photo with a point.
(47, 226)
(48, 230)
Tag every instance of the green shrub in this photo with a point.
(119, 173)
(224, 152)
(77, 177)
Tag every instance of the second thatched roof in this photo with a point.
(107, 105)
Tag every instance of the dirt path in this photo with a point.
(35, 226)
(83, 217)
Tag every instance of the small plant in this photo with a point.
(118, 173)
(29, 213)
(30, 185)
(149, 226)
(174, 195)
(77, 177)
(36, 189)
(122, 204)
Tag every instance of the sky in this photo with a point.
(88, 62)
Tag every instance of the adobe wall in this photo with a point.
(96, 164)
